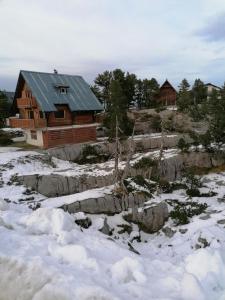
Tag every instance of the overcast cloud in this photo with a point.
(165, 38)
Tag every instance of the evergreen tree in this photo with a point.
(127, 82)
(199, 92)
(139, 93)
(184, 100)
(216, 112)
(150, 89)
(101, 87)
(117, 109)
(4, 108)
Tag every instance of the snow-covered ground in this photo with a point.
(45, 255)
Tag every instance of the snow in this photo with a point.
(60, 201)
(8, 149)
(45, 255)
(44, 243)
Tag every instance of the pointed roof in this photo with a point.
(167, 84)
(45, 88)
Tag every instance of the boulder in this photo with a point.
(106, 229)
(151, 218)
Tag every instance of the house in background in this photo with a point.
(167, 94)
(54, 109)
(210, 87)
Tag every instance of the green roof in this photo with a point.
(45, 88)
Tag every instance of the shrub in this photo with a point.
(145, 163)
(183, 145)
(178, 186)
(191, 179)
(5, 139)
(91, 155)
(193, 192)
(140, 181)
(195, 139)
(183, 211)
(156, 123)
(165, 186)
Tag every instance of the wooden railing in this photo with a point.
(27, 123)
(26, 102)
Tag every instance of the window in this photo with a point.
(41, 114)
(63, 90)
(33, 134)
(30, 114)
(60, 114)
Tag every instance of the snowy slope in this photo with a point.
(45, 255)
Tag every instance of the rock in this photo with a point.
(203, 241)
(168, 232)
(3, 205)
(197, 246)
(205, 217)
(106, 228)
(183, 230)
(149, 219)
(125, 228)
(84, 223)
(135, 235)
(131, 248)
(221, 221)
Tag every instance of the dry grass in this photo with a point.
(24, 146)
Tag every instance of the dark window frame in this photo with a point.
(41, 115)
(59, 112)
(33, 134)
(31, 114)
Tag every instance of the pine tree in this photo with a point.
(184, 96)
(199, 92)
(102, 85)
(216, 112)
(117, 110)
(4, 108)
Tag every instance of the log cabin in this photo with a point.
(167, 94)
(54, 109)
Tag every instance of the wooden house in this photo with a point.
(54, 109)
(167, 94)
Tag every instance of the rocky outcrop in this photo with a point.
(150, 218)
(108, 204)
(142, 143)
(171, 169)
(54, 185)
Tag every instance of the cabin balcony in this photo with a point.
(26, 102)
(16, 122)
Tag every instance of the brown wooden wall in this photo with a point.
(167, 96)
(53, 138)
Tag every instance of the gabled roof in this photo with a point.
(213, 85)
(44, 87)
(167, 84)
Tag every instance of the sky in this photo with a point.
(172, 39)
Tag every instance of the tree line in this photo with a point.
(5, 107)
(118, 90)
